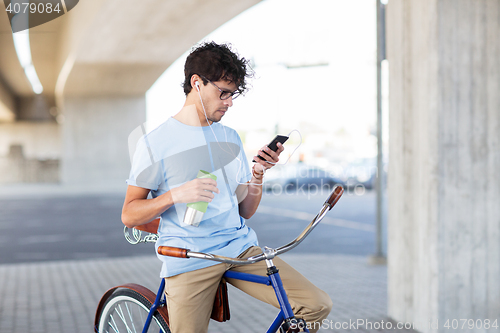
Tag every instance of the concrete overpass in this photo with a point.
(97, 61)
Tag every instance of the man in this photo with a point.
(166, 164)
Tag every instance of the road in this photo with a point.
(88, 226)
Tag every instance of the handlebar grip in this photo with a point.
(335, 196)
(173, 251)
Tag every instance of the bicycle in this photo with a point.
(134, 308)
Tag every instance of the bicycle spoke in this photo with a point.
(119, 311)
(131, 318)
(115, 328)
(126, 314)
(141, 314)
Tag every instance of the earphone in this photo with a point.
(197, 85)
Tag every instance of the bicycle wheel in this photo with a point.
(126, 311)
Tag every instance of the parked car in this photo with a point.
(361, 172)
(294, 176)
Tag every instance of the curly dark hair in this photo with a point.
(216, 62)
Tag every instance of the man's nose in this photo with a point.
(228, 102)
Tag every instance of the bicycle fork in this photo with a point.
(158, 302)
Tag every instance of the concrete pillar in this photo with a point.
(95, 132)
(444, 170)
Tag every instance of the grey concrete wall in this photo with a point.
(7, 103)
(95, 132)
(36, 108)
(29, 152)
(40, 140)
(16, 168)
(444, 180)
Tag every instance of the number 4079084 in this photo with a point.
(471, 324)
(32, 8)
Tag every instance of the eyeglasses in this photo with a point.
(224, 94)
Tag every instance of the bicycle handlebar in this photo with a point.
(173, 251)
(334, 197)
(268, 253)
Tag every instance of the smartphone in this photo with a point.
(273, 145)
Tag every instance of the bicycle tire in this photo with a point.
(126, 310)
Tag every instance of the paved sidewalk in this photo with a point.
(62, 296)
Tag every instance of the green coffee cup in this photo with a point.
(196, 210)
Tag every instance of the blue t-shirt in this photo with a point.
(172, 155)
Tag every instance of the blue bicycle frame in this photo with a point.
(285, 318)
(273, 279)
(159, 301)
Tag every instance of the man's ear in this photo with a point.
(195, 82)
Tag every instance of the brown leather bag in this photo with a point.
(220, 311)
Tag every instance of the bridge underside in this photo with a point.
(95, 64)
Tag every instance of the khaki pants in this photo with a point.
(190, 296)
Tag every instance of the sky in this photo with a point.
(315, 72)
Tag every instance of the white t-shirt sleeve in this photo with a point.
(145, 171)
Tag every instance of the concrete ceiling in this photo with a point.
(109, 47)
(45, 50)
(14, 85)
(124, 47)
(10, 69)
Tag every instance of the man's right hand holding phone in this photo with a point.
(265, 159)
